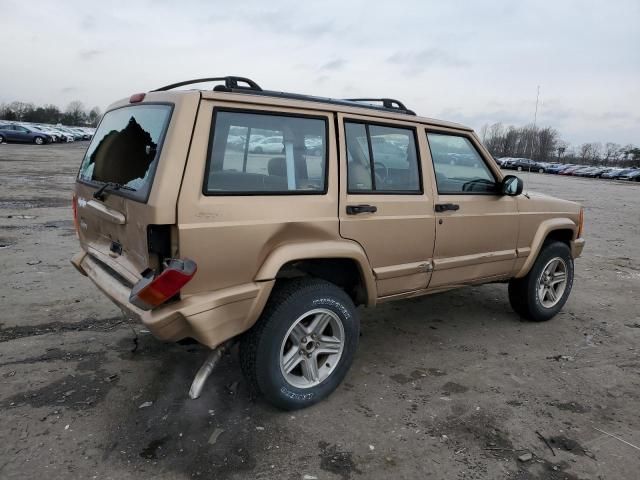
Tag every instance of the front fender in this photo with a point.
(545, 227)
(316, 250)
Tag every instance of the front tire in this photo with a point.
(38, 141)
(302, 346)
(542, 293)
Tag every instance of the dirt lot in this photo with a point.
(451, 386)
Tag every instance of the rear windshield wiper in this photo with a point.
(100, 193)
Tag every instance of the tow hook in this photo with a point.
(206, 369)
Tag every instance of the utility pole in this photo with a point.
(535, 115)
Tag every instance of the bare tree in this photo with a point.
(94, 116)
(75, 113)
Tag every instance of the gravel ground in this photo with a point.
(451, 386)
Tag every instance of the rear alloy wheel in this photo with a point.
(302, 346)
(519, 169)
(38, 141)
(541, 170)
(1, 139)
(539, 295)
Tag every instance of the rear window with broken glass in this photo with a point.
(125, 148)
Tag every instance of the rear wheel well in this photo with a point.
(564, 235)
(343, 272)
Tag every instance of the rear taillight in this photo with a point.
(74, 206)
(153, 290)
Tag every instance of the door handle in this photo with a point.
(443, 207)
(357, 209)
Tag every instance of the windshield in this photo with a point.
(125, 147)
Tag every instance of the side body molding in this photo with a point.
(545, 227)
(318, 250)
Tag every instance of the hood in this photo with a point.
(531, 201)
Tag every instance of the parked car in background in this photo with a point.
(525, 164)
(76, 135)
(633, 176)
(267, 145)
(579, 171)
(556, 168)
(23, 134)
(58, 135)
(571, 169)
(613, 173)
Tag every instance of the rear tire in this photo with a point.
(519, 169)
(1, 139)
(278, 353)
(542, 293)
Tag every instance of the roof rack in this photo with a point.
(386, 102)
(231, 85)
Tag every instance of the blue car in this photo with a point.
(22, 134)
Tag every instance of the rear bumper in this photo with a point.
(211, 318)
(577, 246)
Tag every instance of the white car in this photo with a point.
(267, 145)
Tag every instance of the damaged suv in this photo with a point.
(267, 217)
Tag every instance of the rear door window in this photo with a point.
(266, 153)
(381, 159)
(125, 148)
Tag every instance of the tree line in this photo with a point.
(544, 144)
(75, 114)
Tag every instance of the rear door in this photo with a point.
(477, 227)
(9, 132)
(385, 203)
(143, 148)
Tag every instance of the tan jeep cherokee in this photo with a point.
(264, 216)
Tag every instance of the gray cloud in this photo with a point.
(418, 61)
(90, 54)
(333, 65)
(88, 22)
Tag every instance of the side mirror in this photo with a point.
(512, 186)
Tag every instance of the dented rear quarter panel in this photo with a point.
(230, 237)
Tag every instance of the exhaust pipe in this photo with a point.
(206, 369)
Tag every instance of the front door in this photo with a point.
(477, 227)
(385, 204)
(21, 133)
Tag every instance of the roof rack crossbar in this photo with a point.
(386, 102)
(230, 82)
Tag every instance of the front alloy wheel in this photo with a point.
(552, 282)
(542, 292)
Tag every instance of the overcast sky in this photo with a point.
(473, 62)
